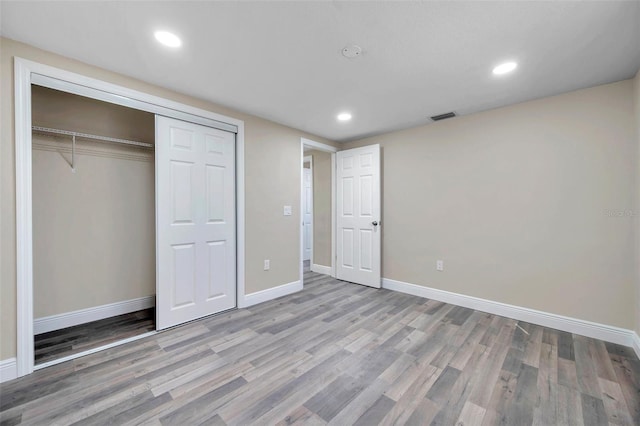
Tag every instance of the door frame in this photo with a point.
(332, 150)
(25, 73)
(308, 159)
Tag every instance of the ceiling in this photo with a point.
(282, 60)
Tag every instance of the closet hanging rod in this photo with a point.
(95, 137)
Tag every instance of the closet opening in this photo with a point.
(94, 230)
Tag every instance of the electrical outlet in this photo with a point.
(266, 264)
(440, 265)
(287, 210)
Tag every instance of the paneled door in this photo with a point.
(307, 217)
(358, 215)
(195, 221)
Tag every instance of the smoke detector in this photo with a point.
(352, 51)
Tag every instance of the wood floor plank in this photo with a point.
(490, 373)
(408, 392)
(520, 410)
(501, 397)
(545, 411)
(593, 412)
(423, 414)
(376, 412)
(301, 416)
(586, 368)
(332, 399)
(200, 409)
(565, 345)
(471, 415)
(567, 374)
(626, 372)
(336, 353)
(569, 406)
(614, 403)
(459, 394)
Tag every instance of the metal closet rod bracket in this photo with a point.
(73, 154)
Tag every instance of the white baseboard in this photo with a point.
(271, 293)
(8, 370)
(321, 269)
(607, 333)
(69, 319)
(636, 344)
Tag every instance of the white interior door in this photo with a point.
(358, 215)
(307, 220)
(195, 221)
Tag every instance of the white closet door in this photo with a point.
(196, 221)
(358, 215)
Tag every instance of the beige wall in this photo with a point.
(272, 176)
(53, 108)
(93, 230)
(636, 99)
(321, 207)
(514, 201)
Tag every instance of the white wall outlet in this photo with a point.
(440, 265)
(267, 264)
(287, 210)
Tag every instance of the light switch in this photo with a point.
(287, 210)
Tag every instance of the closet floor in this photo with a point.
(67, 341)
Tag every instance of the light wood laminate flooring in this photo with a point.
(341, 354)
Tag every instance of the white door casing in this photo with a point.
(308, 214)
(195, 221)
(358, 215)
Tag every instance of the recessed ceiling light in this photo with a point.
(344, 116)
(505, 68)
(168, 39)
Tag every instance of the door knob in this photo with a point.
(374, 223)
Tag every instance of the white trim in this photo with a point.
(321, 269)
(636, 344)
(301, 227)
(604, 332)
(332, 150)
(334, 208)
(23, 70)
(83, 316)
(272, 293)
(307, 159)
(107, 92)
(94, 350)
(318, 145)
(24, 248)
(8, 370)
(240, 247)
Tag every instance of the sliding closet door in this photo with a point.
(196, 228)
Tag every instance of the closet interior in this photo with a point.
(93, 212)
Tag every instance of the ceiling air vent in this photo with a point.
(443, 116)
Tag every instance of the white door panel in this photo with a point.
(196, 247)
(358, 215)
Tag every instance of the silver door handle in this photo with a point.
(374, 223)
